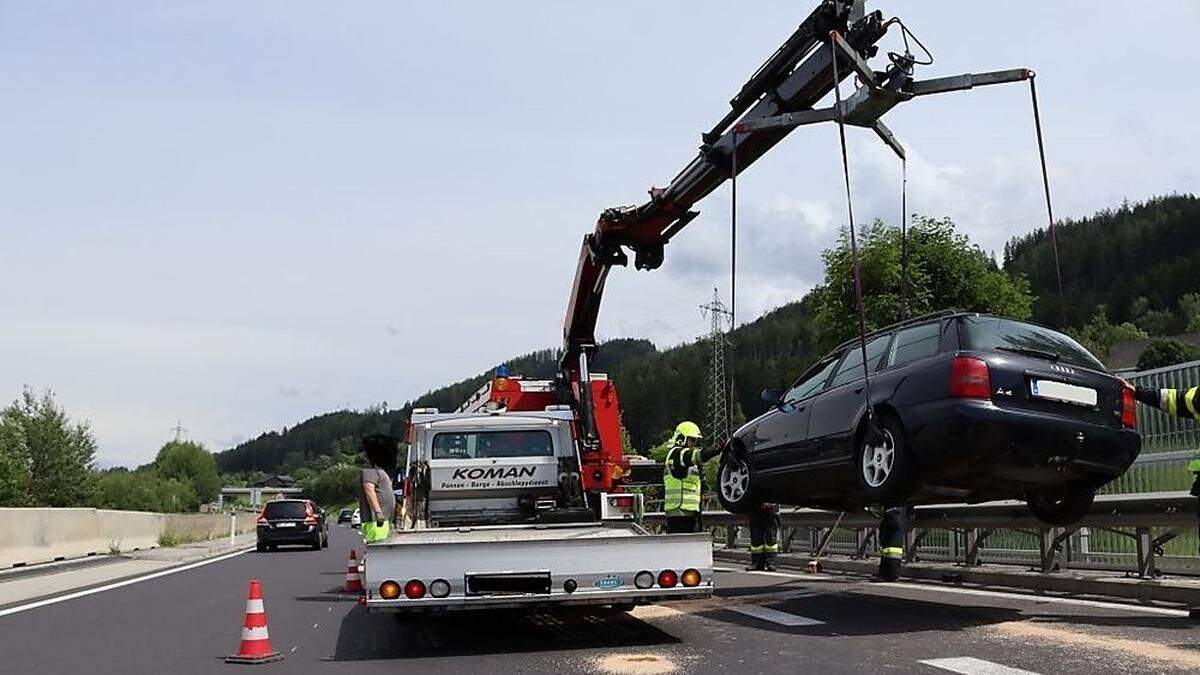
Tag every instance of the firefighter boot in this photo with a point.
(768, 562)
(756, 562)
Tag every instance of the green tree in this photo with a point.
(945, 271)
(46, 459)
(188, 462)
(1189, 309)
(336, 485)
(1161, 353)
(1099, 335)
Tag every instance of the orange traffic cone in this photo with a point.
(256, 643)
(353, 580)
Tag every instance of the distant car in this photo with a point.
(970, 407)
(356, 519)
(292, 521)
(345, 516)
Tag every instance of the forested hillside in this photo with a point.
(1139, 261)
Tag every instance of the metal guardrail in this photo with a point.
(962, 532)
(1161, 431)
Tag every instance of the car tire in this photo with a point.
(887, 471)
(1062, 507)
(735, 483)
(261, 548)
(325, 541)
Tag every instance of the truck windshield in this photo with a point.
(482, 444)
(986, 333)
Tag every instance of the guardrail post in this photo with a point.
(862, 540)
(731, 534)
(1145, 553)
(787, 534)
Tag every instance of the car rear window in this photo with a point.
(918, 342)
(480, 444)
(988, 333)
(851, 369)
(285, 510)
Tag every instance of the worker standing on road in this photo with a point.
(764, 537)
(376, 498)
(681, 478)
(893, 529)
(1179, 403)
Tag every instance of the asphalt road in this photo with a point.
(760, 623)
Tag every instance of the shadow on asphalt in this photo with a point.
(365, 636)
(1123, 621)
(858, 615)
(335, 594)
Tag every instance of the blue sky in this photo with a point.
(239, 215)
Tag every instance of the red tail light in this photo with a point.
(414, 589)
(969, 378)
(1128, 408)
(262, 516)
(668, 578)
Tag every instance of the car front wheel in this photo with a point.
(735, 484)
(1062, 507)
(884, 465)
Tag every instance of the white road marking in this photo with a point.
(934, 588)
(972, 666)
(775, 616)
(119, 584)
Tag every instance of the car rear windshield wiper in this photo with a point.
(1049, 356)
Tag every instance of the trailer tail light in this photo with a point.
(644, 579)
(439, 588)
(690, 578)
(414, 589)
(389, 590)
(969, 378)
(668, 578)
(1128, 407)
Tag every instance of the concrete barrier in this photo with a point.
(36, 535)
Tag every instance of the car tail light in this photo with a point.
(389, 590)
(969, 378)
(1128, 407)
(690, 578)
(414, 589)
(262, 517)
(668, 578)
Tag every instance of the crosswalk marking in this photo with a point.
(775, 616)
(968, 665)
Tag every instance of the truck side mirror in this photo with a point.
(771, 396)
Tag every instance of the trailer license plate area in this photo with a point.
(1061, 391)
(509, 584)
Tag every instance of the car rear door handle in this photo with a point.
(859, 390)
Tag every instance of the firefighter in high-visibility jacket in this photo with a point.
(1179, 403)
(681, 478)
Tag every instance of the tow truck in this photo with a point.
(520, 497)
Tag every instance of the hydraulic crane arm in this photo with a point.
(796, 77)
(835, 41)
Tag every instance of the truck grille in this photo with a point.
(509, 584)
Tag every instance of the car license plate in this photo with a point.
(1061, 391)
(285, 524)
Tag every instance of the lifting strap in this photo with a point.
(1037, 124)
(858, 294)
(903, 238)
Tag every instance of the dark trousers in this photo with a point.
(764, 538)
(683, 524)
(893, 528)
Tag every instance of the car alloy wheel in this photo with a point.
(735, 479)
(877, 460)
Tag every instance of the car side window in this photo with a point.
(917, 342)
(851, 368)
(807, 386)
